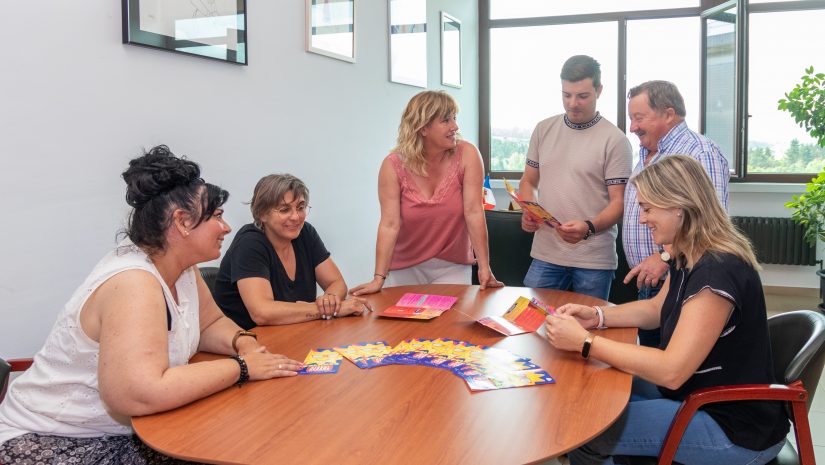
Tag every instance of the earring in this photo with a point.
(186, 232)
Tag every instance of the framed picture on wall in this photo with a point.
(330, 28)
(408, 41)
(213, 29)
(450, 50)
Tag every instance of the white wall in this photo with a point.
(769, 200)
(77, 105)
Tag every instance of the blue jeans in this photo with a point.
(595, 283)
(649, 337)
(641, 430)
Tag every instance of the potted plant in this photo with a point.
(806, 103)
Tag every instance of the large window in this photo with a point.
(500, 9)
(525, 87)
(782, 45)
(720, 82)
(731, 87)
(676, 61)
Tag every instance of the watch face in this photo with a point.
(665, 256)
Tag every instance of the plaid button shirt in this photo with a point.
(636, 238)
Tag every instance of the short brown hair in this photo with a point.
(270, 191)
(580, 67)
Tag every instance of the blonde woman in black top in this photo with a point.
(711, 315)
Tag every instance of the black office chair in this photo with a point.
(798, 346)
(619, 291)
(209, 273)
(509, 247)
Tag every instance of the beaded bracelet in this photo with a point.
(244, 377)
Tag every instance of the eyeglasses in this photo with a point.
(287, 211)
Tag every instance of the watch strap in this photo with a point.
(239, 333)
(591, 230)
(588, 341)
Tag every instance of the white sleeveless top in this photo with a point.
(59, 394)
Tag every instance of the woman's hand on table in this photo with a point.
(368, 288)
(328, 305)
(486, 278)
(584, 314)
(354, 306)
(564, 332)
(264, 365)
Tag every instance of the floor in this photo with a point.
(777, 303)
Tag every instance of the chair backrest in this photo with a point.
(509, 246)
(619, 291)
(798, 346)
(209, 274)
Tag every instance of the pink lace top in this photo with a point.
(435, 227)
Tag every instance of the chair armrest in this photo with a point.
(794, 393)
(20, 364)
(17, 364)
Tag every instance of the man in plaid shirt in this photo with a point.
(657, 117)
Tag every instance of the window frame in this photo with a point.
(739, 165)
(773, 7)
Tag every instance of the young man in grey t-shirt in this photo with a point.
(579, 163)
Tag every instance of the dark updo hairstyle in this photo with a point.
(157, 183)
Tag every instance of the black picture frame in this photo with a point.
(200, 28)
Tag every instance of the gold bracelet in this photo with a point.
(239, 333)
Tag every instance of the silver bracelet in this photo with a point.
(600, 312)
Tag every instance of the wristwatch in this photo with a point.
(240, 333)
(664, 255)
(588, 341)
(590, 230)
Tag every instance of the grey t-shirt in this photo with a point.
(575, 167)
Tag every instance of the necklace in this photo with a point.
(585, 125)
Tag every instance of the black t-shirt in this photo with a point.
(251, 255)
(741, 355)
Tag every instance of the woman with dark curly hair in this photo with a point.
(120, 346)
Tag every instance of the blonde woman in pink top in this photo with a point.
(429, 188)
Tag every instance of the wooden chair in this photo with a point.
(9, 366)
(798, 346)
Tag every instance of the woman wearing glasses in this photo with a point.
(269, 274)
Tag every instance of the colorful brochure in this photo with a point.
(419, 306)
(321, 362)
(366, 354)
(482, 368)
(534, 208)
(524, 316)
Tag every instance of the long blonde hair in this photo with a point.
(421, 110)
(679, 181)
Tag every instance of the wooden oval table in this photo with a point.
(401, 414)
